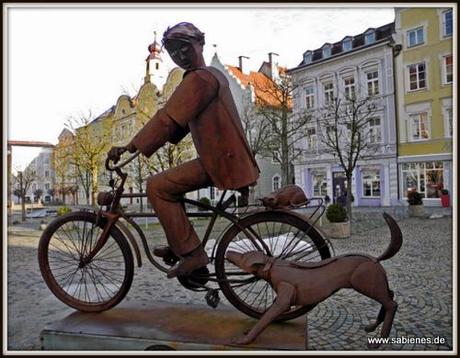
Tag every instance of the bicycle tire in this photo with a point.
(237, 240)
(105, 281)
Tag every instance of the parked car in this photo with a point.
(42, 213)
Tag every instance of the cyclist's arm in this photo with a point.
(170, 124)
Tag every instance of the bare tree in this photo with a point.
(279, 128)
(91, 144)
(24, 180)
(346, 134)
(62, 162)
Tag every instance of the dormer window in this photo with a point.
(326, 51)
(346, 44)
(307, 57)
(369, 37)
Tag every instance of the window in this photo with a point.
(348, 128)
(47, 174)
(276, 157)
(375, 133)
(276, 182)
(369, 37)
(448, 122)
(307, 57)
(326, 52)
(425, 177)
(349, 84)
(328, 93)
(417, 74)
(311, 139)
(415, 37)
(212, 193)
(319, 184)
(346, 45)
(372, 83)
(330, 132)
(447, 69)
(310, 97)
(419, 126)
(447, 23)
(371, 183)
(47, 186)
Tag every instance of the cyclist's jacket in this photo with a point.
(202, 104)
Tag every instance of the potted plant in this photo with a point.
(415, 200)
(339, 226)
(445, 200)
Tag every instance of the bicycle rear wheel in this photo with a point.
(279, 234)
(93, 287)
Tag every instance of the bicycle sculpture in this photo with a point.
(86, 257)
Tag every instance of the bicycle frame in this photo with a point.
(114, 213)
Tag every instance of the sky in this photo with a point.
(66, 61)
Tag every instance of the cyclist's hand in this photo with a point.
(115, 153)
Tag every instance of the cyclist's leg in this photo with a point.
(165, 191)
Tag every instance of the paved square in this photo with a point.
(420, 274)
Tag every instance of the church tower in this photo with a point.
(155, 69)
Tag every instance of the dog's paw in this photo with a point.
(371, 327)
(242, 340)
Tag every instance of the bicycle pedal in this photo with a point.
(212, 298)
(196, 280)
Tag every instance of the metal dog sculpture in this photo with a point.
(289, 196)
(300, 284)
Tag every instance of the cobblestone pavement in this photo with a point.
(420, 274)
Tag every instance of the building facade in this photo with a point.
(424, 77)
(244, 86)
(360, 66)
(42, 187)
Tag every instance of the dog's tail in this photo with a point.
(396, 238)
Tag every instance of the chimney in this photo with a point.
(240, 62)
(273, 67)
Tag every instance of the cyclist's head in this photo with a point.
(184, 43)
(184, 31)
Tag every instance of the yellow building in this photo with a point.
(424, 80)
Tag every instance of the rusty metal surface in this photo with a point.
(177, 326)
(298, 284)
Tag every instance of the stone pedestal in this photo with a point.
(167, 326)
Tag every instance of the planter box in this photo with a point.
(416, 211)
(338, 230)
(445, 200)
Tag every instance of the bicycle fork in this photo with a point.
(111, 220)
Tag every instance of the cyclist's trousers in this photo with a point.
(165, 191)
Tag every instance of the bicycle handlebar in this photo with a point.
(122, 164)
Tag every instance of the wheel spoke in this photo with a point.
(93, 286)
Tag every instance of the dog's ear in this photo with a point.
(256, 258)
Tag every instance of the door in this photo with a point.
(339, 187)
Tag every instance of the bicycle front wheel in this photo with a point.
(92, 287)
(279, 234)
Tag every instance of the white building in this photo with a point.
(42, 166)
(361, 64)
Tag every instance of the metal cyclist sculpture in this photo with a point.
(202, 105)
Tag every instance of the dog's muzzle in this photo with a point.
(233, 256)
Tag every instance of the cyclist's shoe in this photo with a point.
(162, 251)
(189, 263)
